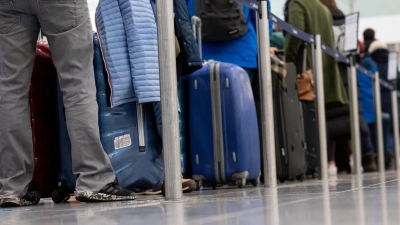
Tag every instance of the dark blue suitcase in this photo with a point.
(224, 137)
(184, 125)
(129, 137)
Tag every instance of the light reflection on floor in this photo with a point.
(371, 199)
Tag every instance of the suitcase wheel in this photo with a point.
(59, 196)
(282, 180)
(199, 184)
(300, 177)
(36, 195)
(241, 182)
(214, 186)
(256, 182)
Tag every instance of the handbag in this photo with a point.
(305, 81)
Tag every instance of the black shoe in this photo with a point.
(390, 160)
(31, 198)
(111, 192)
(369, 162)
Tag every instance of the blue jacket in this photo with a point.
(365, 87)
(128, 36)
(184, 33)
(241, 51)
(381, 58)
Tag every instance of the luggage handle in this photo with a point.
(196, 27)
(142, 145)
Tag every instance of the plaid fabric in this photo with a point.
(279, 67)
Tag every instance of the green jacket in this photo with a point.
(314, 18)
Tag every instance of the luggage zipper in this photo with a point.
(139, 109)
(217, 121)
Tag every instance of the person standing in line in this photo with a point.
(241, 51)
(380, 55)
(69, 32)
(313, 17)
(365, 86)
(344, 158)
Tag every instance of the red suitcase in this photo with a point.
(43, 105)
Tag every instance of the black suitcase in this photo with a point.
(289, 138)
(310, 130)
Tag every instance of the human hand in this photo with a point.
(272, 50)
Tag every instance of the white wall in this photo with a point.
(92, 9)
(386, 27)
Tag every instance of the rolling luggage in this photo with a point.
(310, 128)
(224, 138)
(43, 107)
(129, 136)
(289, 138)
(184, 126)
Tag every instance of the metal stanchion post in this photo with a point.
(354, 117)
(378, 123)
(267, 120)
(320, 98)
(169, 100)
(395, 125)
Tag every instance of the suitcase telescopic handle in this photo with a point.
(196, 26)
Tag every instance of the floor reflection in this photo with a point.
(368, 199)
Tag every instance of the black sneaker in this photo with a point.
(31, 198)
(111, 192)
(369, 162)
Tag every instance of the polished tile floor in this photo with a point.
(371, 199)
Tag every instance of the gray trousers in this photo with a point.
(68, 29)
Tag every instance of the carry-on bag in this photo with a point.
(43, 108)
(308, 105)
(224, 139)
(310, 128)
(128, 134)
(289, 137)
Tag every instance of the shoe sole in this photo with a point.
(104, 198)
(158, 192)
(9, 205)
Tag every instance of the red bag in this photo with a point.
(44, 111)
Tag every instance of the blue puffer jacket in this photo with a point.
(128, 36)
(365, 87)
(184, 33)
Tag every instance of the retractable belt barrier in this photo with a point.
(260, 6)
(310, 39)
(353, 67)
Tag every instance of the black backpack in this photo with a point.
(221, 19)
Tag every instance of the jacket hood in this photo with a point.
(377, 45)
(338, 17)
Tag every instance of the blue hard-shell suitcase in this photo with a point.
(224, 137)
(184, 125)
(129, 137)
